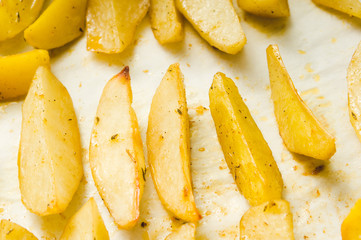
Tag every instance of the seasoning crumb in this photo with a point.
(318, 169)
(115, 136)
(202, 149)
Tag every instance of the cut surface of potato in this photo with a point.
(268, 221)
(17, 72)
(351, 227)
(184, 232)
(60, 23)
(15, 16)
(266, 8)
(301, 132)
(86, 224)
(13, 231)
(166, 21)
(116, 152)
(354, 91)
(247, 154)
(168, 145)
(49, 161)
(111, 24)
(350, 7)
(216, 21)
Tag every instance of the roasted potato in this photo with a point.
(350, 7)
(247, 154)
(184, 232)
(15, 16)
(216, 21)
(86, 224)
(351, 228)
(116, 152)
(12, 231)
(17, 72)
(111, 24)
(49, 161)
(269, 221)
(168, 146)
(60, 23)
(166, 21)
(301, 132)
(266, 8)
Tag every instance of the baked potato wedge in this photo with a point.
(301, 132)
(247, 154)
(184, 232)
(111, 24)
(350, 7)
(216, 21)
(86, 224)
(13, 231)
(266, 8)
(168, 144)
(116, 152)
(351, 228)
(17, 72)
(268, 221)
(60, 23)
(49, 160)
(166, 21)
(15, 16)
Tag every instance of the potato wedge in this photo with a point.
(86, 224)
(268, 221)
(13, 231)
(15, 16)
(49, 161)
(266, 8)
(166, 21)
(60, 23)
(116, 152)
(246, 152)
(168, 145)
(111, 24)
(350, 7)
(216, 21)
(184, 232)
(301, 132)
(351, 228)
(17, 72)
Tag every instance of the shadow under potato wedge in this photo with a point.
(301, 132)
(266, 8)
(168, 144)
(247, 154)
(13, 231)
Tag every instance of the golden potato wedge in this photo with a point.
(116, 152)
(13, 231)
(247, 154)
(17, 72)
(166, 21)
(15, 16)
(301, 132)
(350, 7)
(86, 224)
(60, 23)
(168, 145)
(184, 232)
(351, 228)
(49, 161)
(268, 221)
(266, 8)
(216, 21)
(111, 24)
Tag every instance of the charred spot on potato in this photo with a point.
(114, 137)
(144, 172)
(179, 111)
(353, 115)
(97, 119)
(70, 119)
(318, 169)
(81, 30)
(143, 224)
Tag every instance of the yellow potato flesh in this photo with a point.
(351, 227)
(17, 72)
(60, 23)
(300, 130)
(49, 161)
(350, 7)
(116, 152)
(246, 152)
(12, 231)
(111, 24)
(16, 15)
(168, 146)
(266, 8)
(184, 232)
